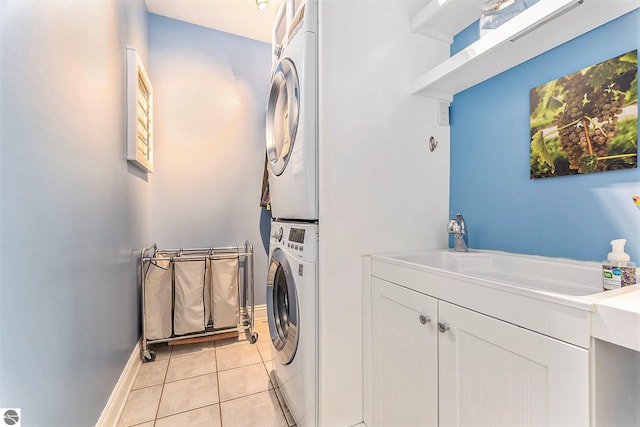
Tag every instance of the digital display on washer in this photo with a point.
(296, 235)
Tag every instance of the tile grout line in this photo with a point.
(217, 372)
(215, 349)
(273, 386)
(182, 412)
(187, 378)
(203, 350)
(164, 379)
(281, 407)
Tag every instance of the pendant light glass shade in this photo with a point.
(262, 4)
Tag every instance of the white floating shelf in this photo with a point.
(443, 19)
(545, 25)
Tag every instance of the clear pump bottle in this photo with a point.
(618, 270)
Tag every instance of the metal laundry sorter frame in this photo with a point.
(246, 306)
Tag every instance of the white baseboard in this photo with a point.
(260, 311)
(112, 411)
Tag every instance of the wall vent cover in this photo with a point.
(139, 113)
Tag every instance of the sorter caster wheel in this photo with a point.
(149, 356)
(254, 338)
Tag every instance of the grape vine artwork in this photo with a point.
(587, 121)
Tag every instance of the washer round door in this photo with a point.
(282, 308)
(283, 111)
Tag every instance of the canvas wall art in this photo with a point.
(587, 121)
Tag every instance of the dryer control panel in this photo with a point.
(292, 17)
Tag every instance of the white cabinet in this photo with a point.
(436, 363)
(404, 356)
(616, 327)
(545, 25)
(494, 373)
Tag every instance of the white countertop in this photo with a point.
(617, 318)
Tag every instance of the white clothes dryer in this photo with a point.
(292, 313)
(292, 124)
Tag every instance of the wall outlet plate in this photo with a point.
(443, 113)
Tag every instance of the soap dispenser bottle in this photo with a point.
(618, 270)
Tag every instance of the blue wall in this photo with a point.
(73, 212)
(210, 92)
(465, 37)
(572, 216)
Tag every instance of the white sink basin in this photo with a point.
(542, 274)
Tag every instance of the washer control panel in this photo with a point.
(296, 235)
(295, 239)
(278, 234)
(299, 239)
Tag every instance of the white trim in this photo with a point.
(367, 369)
(112, 411)
(260, 312)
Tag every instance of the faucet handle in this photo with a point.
(453, 227)
(461, 223)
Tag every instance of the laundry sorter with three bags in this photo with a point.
(195, 293)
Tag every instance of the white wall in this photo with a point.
(210, 94)
(72, 212)
(380, 187)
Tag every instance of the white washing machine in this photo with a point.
(292, 312)
(292, 124)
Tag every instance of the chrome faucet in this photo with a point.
(458, 228)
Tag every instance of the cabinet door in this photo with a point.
(493, 373)
(404, 356)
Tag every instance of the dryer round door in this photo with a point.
(283, 112)
(282, 308)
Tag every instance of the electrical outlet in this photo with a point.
(443, 113)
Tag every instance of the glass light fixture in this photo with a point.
(262, 4)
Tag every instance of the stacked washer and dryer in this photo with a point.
(292, 153)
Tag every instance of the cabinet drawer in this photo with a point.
(559, 321)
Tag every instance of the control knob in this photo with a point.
(278, 234)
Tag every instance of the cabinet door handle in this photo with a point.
(424, 319)
(443, 327)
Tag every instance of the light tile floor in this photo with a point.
(223, 383)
